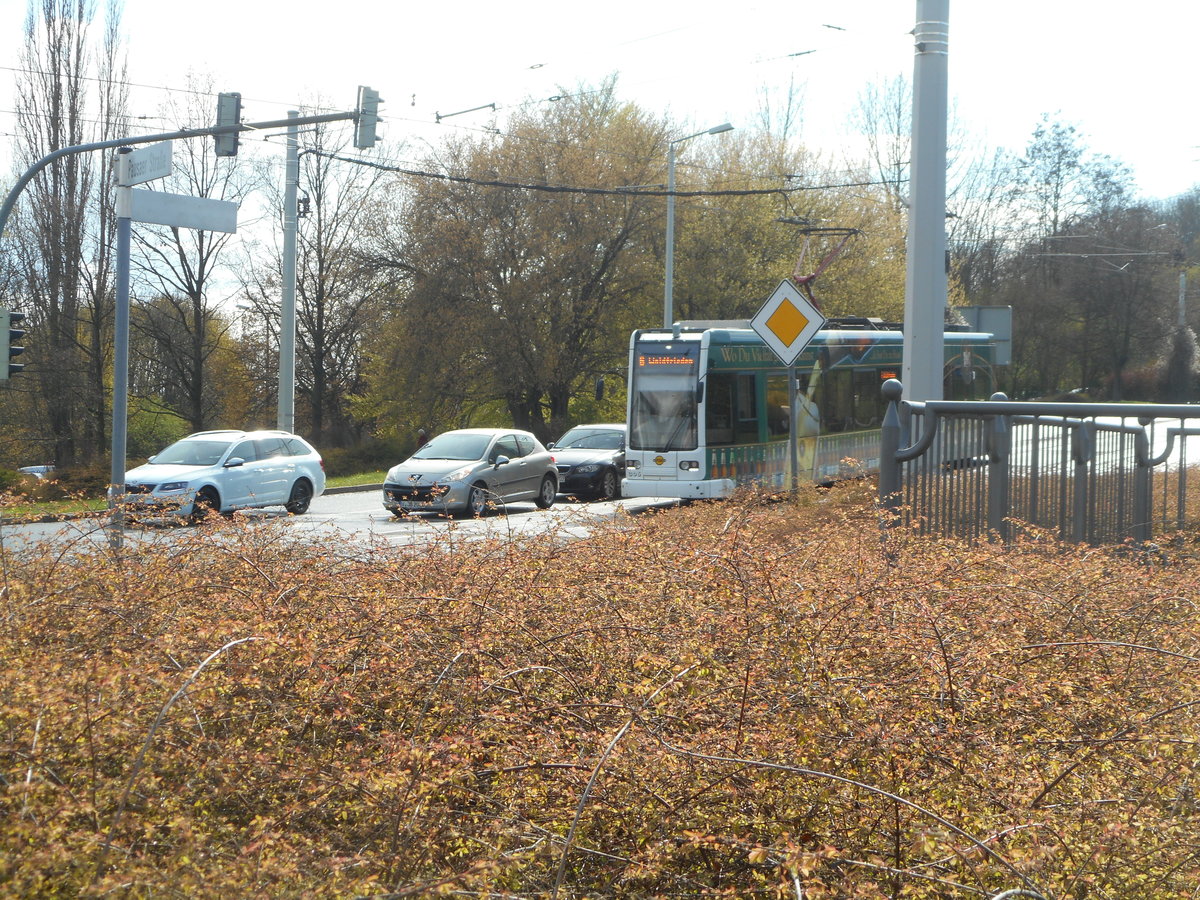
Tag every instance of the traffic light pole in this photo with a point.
(120, 400)
(11, 200)
(287, 301)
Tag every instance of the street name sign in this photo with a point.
(149, 163)
(787, 322)
(182, 211)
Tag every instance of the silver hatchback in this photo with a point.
(470, 470)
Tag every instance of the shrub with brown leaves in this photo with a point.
(734, 699)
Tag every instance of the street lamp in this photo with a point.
(669, 281)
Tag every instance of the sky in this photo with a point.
(1117, 72)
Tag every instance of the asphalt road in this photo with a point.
(358, 516)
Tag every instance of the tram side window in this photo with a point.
(747, 410)
(966, 381)
(868, 398)
(718, 402)
(778, 414)
(731, 415)
(837, 401)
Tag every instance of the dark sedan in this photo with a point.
(591, 461)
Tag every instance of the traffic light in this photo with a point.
(368, 118)
(229, 112)
(9, 335)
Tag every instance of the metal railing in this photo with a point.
(1094, 473)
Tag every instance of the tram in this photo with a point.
(708, 407)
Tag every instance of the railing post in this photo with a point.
(1083, 443)
(890, 482)
(1141, 484)
(999, 445)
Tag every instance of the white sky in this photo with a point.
(1119, 72)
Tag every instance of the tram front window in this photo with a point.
(664, 415)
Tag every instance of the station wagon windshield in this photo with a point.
(192, 453)
(455, 446)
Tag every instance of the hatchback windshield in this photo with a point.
(192, 453)
(455, 445)
(591, 439)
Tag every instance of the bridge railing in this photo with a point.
(1093, 473)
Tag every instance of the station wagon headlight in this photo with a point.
(173, 486)
(588, 469)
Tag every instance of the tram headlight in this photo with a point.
(632, 464)
(689, 465)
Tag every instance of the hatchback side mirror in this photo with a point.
(501, 461)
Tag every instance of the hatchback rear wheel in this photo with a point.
(545, 497)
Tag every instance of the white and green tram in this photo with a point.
(708, 405)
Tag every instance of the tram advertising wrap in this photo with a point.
(708, 406)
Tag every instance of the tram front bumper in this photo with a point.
(706, 489)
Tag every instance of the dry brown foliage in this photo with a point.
(736, 699)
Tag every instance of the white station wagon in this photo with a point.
(227, 470)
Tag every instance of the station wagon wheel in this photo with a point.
(608, 486)
(545, 497)
(302, 494)
(207, 499)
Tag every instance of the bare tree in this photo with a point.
(180, 270)
(340, 294)
(65, 223)
(884, 118)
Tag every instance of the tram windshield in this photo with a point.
(663, 400)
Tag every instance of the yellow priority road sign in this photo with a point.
(787, 322)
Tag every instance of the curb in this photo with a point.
(100, 513)
(352, 489)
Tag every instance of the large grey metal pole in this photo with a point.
(287, 304)
(669, 277)
(120, 395)
(925, 276)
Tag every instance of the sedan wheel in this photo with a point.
(302, 494)
(608, 486)
(545, 497)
